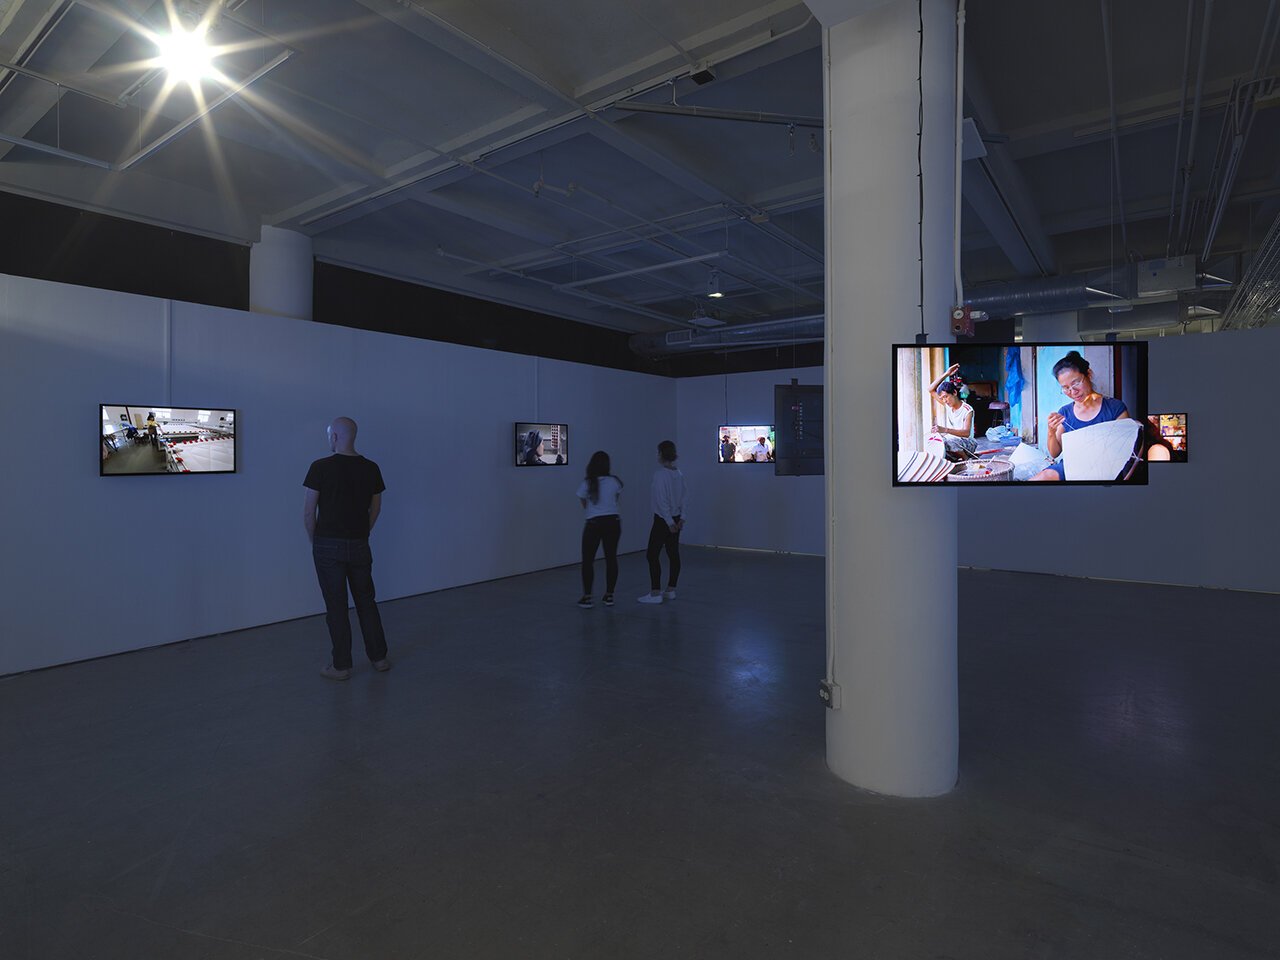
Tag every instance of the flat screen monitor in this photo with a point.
(139, 439)
(737, 443)
(798, 413)
(1167, 438)
(542, 444)
(1044, 413)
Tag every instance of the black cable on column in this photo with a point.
(920, 157)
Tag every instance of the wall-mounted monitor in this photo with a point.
(137, 440)
(1013, 413)
(737, 443)
(542, 444)
(1167, 438)
(798, 413)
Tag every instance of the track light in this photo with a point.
(713, 285)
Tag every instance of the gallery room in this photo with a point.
(799, 473)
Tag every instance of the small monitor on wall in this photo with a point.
(745, 444)
(1014, 413)
(1167, 438)
(139, 440)
(542, 444)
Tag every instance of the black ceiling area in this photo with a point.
(608, 163)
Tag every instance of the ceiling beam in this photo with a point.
(997, 192)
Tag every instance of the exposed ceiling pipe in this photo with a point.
(1236, 127)
(1115, 133)
(56, 151)
(580, 294)
(1087, 293)
(1195, 124)
(667, 265)
(767, 333)
(1262, 58)
(711, 113)
(61, 85)
(1050, 294)
(1182, 111)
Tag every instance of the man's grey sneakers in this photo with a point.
(330, 672)
(608, 599)
(585, 603)
(669, 593)
(382, 666)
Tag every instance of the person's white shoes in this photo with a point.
(669, 593)
(651, 598)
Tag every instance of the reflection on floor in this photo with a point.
(650, 782)
(135, 458)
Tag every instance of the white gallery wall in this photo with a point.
(1204, 523)
(219, 553)
(744, 505)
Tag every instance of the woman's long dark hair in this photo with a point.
(597, 467)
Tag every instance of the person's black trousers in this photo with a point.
(661, 537)
(598, 530)
(340, 563)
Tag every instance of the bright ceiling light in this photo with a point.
(186, 55)
(713, 285)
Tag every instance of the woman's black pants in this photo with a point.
(598, 530)
(660, 537)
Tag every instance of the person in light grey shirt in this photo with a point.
(668, 496)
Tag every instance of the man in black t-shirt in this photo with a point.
(344, 498)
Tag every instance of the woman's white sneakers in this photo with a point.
(669, 593)
(650, 598)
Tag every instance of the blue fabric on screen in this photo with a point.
(1014, 382)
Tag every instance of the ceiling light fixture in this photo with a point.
(186, 54)
(713, 285)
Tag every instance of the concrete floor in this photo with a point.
(533, 780)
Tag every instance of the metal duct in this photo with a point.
(1087, 291)
(1051, 294)
(768, 333)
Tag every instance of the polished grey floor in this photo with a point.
(534, 780)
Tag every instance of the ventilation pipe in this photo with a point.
(742, 336)
(1051, 294)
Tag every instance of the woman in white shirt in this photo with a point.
(667, 496)
(598, 493)
(954, 417)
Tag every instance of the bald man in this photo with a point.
(343, 500)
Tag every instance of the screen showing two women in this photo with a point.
(1021, 413)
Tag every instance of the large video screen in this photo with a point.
(138, 440)
(1020, 413)
(745, 444)
(542, 444)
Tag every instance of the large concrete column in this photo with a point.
(891, 552)
(281, 268)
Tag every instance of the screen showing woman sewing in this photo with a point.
(159, 439)
(1020, 413)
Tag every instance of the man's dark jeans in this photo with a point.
(339, 563)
